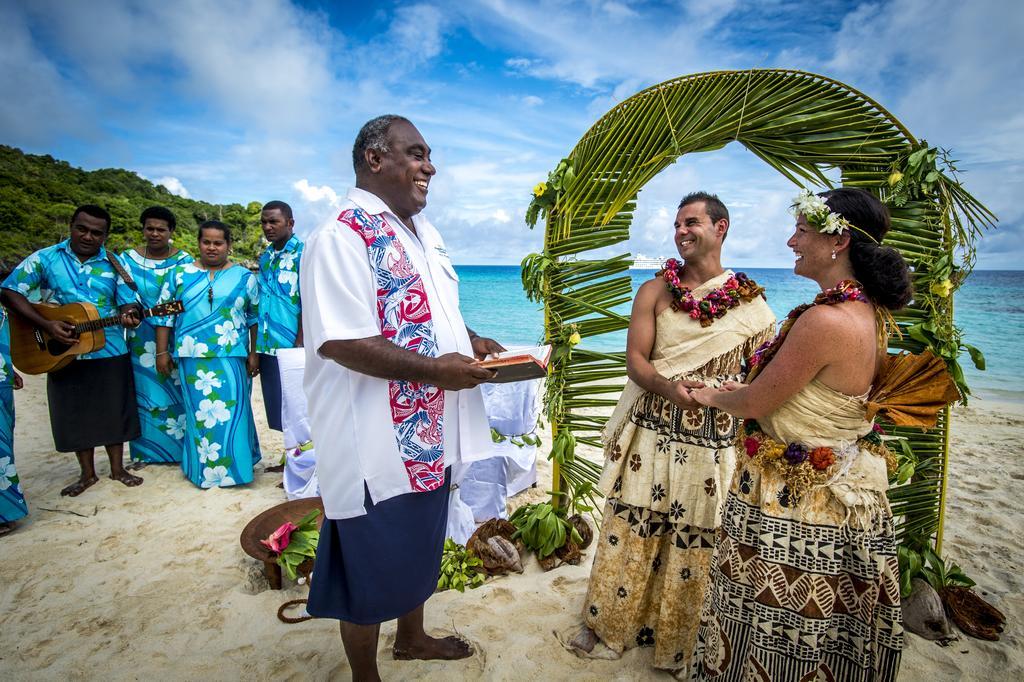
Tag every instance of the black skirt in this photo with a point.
(92, 402)
(377, 567)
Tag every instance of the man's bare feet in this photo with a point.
(79, 486)
(450, 648)
(128, 479)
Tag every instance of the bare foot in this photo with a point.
(126, 478)
(584, 641)
(450, 648)
(79, 486)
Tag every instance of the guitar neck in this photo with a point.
(103, 322)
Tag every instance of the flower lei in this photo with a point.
(819, 216)
(846, 290)
(803, 467)
(737, 289)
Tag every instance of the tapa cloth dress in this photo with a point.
(666, 471)
(12, 500)
(806, 590)
(161, 407)
(211, 346)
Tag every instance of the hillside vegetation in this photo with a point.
(38, 194)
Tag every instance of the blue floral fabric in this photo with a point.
(12, 500)
(56, 275)
(279, 307)
(161, 410)
(211, 346)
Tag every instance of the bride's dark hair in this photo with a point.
(881, 269)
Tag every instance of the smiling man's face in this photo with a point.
(695, 233)
(404, 171)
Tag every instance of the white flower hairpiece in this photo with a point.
(818, 214)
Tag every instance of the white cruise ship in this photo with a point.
(642, 262)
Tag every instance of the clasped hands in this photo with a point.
(692, 395)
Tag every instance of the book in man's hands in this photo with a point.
(518, 364)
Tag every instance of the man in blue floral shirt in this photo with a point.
(91, 400)
(280, 311)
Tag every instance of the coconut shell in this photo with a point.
(548, 562)
(498, 557)
(923, 614)
(569, 553)
(972, 614)
(583, 528)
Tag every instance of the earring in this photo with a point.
(833, 254)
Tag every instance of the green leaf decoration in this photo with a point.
(809, 128)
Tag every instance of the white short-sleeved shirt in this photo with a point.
(349, 412)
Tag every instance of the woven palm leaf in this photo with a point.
(911, 390)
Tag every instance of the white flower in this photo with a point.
(165, 292)
(7, 472)
(228, 333)
(188, 347)
(291, 279)
(834, 224)
(148, 357)
(212, 412)
(3, 369)
(24, 288)
(208, 452)
(190, 268)
(175, 428)
(175, 377)
(216, 476)
(32, 263)
(287, 262)
(207, 381)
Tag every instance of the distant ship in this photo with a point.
(642, 262)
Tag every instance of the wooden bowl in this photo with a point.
(266, 523)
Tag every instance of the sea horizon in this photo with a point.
(987, 308)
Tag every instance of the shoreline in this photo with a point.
(130, 583)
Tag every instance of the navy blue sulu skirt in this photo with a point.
(377, 567)
(270, 383)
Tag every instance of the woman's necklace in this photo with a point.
(846, 290)
(715, 304)
(212, 278)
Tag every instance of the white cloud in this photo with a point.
(173, 185)
(315, 194)
(502, 216)
(532, 101)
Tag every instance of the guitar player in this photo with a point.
(92, 399)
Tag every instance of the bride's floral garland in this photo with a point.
(801, 466)
(737, 289)
(846, 290)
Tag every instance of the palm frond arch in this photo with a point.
(801, 124)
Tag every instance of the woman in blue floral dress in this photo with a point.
(12, 500)
(215, 352)
(161, 410)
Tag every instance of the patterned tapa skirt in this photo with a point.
(663, 478)
(797, 599)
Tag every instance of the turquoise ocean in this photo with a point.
(987, 308)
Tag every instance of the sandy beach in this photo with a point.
(150, 582)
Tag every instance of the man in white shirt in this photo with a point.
(391, 384)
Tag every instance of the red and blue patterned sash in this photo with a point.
(417, 409)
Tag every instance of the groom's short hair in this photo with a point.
(713, 206)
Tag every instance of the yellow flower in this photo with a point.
(894, 178)
(575, 338)
(539, 189)
(943, 288)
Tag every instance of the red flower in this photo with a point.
(822, 458)
(751, 445)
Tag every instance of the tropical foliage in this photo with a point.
(805, 126)
(38, 195)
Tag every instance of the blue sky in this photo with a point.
(247, 100)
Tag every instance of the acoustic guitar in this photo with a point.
(34, 351)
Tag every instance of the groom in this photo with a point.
(668, 460)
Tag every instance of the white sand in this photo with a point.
(150, 583)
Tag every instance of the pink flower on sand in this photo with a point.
(279, 539)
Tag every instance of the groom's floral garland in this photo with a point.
(846, 290)
(737, 289)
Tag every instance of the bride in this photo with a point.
(805, 584)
